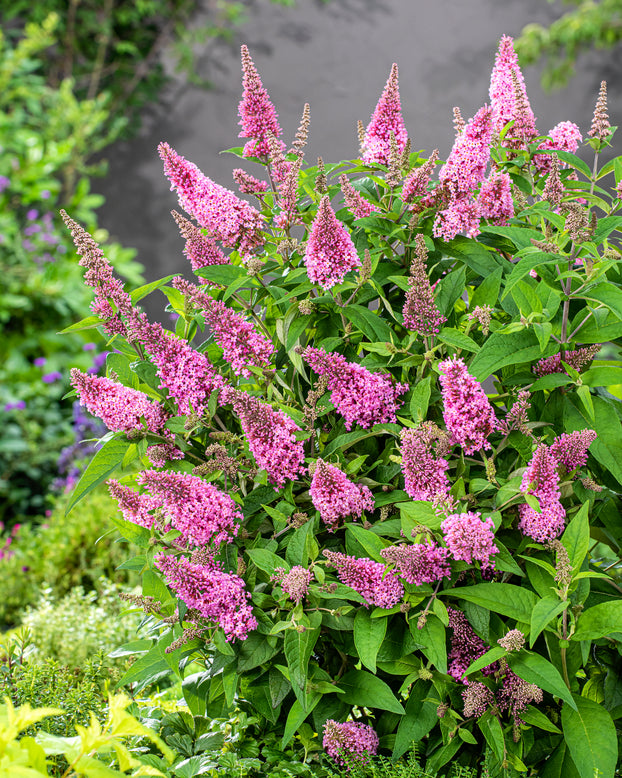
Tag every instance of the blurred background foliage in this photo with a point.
(587, 25)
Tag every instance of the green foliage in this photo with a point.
(47, 135)
(63, 553)
(591, 24)
(336, 652)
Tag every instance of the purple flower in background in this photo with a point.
(89, 347)
(46, 194)
(32, 214)
(40, 361)
(4, 183)
(49, 378)
(18, 406)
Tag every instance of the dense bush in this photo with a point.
(361, 546)
(46, 137)
(61, 554)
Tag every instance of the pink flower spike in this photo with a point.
(570, 450)
(118, 406)
(243, 346)
(225, 216)
(372, 580)
(202, 250)
(466, 165)
(495, 198)
(508, 97)
(202, 513)
(336, 497)
(468, 414)
(470, 538)
(188, 375)
(420, 311)
(358, 206)
(425, 476)
(271, 437)
(218, 597)
(135, 507)
(257, 113)
(386, 119)
(565, 136)
(418, 563)
(360, 396)
(542, 481)
(330, 252)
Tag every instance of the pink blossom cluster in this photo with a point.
(360, 396)
(330, 252)
(336, 497)
(162, 453)
(420, 311)
(570, 449)
(201, 512)
(418, 563)
(120, 408)
(468, 414)
(565, 136)
(495, 198)
(508, 97)
(243, 346)
(372, 580)
(135, 507)
(577, 359)
(425, 476)
(466, 647)
(294, 583)
(271, 437)
(258, 116)
(202, 250)
(247, 183)
(217, 596)
(352, 740)
(460, 176)
(358, 206)
(542, 481)
(188, 375)
(516, 694)
(470, 538)
(110, 298)
(228, 219)
(386, 119)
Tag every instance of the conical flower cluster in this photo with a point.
(420, 312)
(258, 117)
(386, 119)
(542, 481)
(336, 497)
(508, 98)
(330, 252)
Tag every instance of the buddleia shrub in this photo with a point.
(378, 498)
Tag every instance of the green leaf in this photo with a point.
(298, 646)
(473, 254)
(501, 349)
(605, 227)
(590, 735)
(133, 533)
(607, 448)
(506, 599)
(599, 621)
(418, 512)
(552, 381)
(302, 545)
(369, 323)
(490, 728)
(371, 543)
(576, 537)
(492, 655)
(520, 236)
(431, 637)
(344, 442)
(103, 465)
(419, 718)
(223, 274)
(543, 613)
(120, 364)
(608, 294)
(487, 293)
(88, 323)
(576, 162)
(146, 289)
(535, 717)
(368, 691)
(420, 399)
(266, 560)
(297, 716)
(560, 764)
(504, 561)
(450, 287)
(296, 329)
(457, 339)
(255, 651)
(601, 375)
(534, 668)
(154, 586)
(368, 636)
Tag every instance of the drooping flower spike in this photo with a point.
(336, 497)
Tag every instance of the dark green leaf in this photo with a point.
(543, 613)
(418, 720)
(535, 717)
(490, 728)
(296, 329)
(103, 465)
(420, 399)
(368, 636)
(431, 637)
(487, 293)
(297, 716)
(370, 543)
(457, 339)
(366, 690)
(143, 291)
(534, 668)
(576, 537)
(298, 646)
(492, 655)
(501, 349)
(506, 599)
(371, 324)
(450, 287)
(590, 735)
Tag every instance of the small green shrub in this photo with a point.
(75, 627)
(63, 553)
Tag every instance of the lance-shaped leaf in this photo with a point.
(368, 636)
(590, 735)
(298, 645)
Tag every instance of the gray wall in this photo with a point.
(337, 57)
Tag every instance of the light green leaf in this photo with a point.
(490, 728)
(457, 339)
(543, 613)
(366, 690)
(418, 512)
(506, 599)
(599, 621)
(420, 399)
(576, 537)
(297, 716)
(501, 349)
(266, 560)
(535, 717)
(492, 655)
(298, 646)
